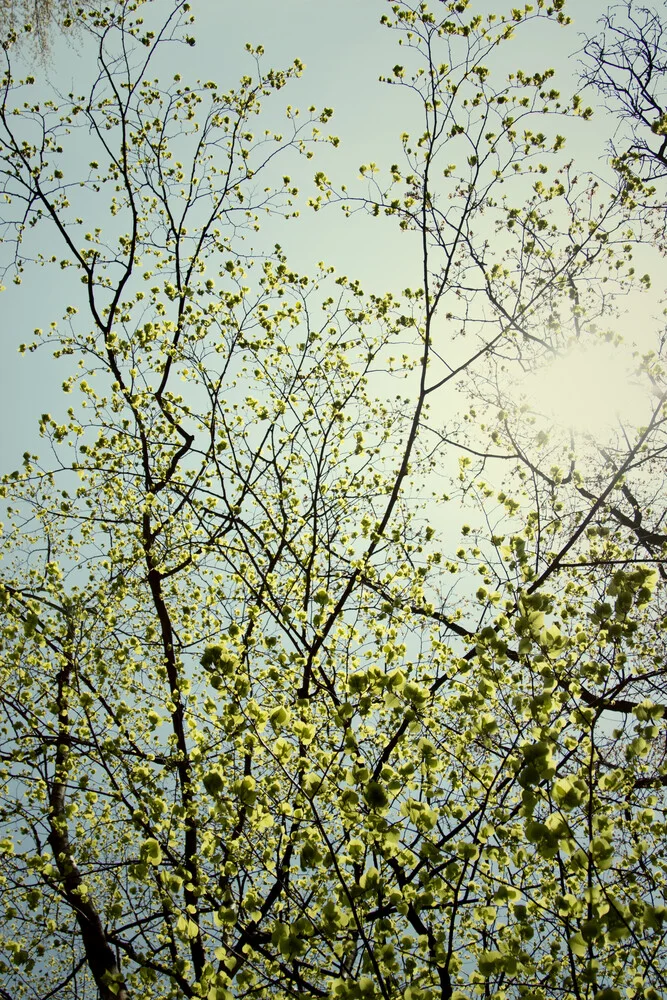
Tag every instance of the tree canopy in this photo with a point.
(37, 21)
(330, 668)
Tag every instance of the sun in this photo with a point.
(591, 390)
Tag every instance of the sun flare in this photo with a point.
(590, 390)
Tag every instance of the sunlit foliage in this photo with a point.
(282, 713)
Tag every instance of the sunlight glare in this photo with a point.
(589, 390)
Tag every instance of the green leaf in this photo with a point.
(214, 781)
(578, 945)
(490, 962)
(151, 851)
(375, 795)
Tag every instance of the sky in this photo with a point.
(345, 50)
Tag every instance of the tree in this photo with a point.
(267, 728)
(38, 20)
(626, 63)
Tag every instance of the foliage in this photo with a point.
(273, 723)
(38, 20)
